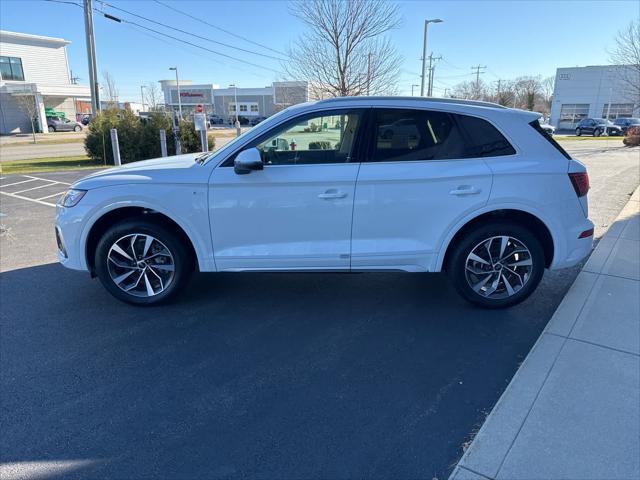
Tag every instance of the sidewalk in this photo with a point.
(572, 411)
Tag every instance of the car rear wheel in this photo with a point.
(51, 129)
(77, 128)
(596, 132)
(141, 262)
(497, 265)
(578, 132)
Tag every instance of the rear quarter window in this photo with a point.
(541, 131)
(483, 139)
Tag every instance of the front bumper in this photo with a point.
(68, 232)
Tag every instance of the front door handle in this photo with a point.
(465, 190)
(332, 193)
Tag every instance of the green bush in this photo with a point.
(138, 140)
(321, 145)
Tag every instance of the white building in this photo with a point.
(250, 102)
(37, 67)
(591, 92)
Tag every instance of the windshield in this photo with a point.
(233, 143)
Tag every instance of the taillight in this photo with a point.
(580, 182)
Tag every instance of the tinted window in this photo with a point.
(311, 139)
(404, 135)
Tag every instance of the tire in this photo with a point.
(77, 128)
(465, 272)
(51, 129)
(596, 132)
(578, 132)
(154, 275)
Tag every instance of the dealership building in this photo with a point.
(248, 102)
(35, 69)
(592, 92)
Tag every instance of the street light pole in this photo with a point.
(424, 51)
(235, 99)
(178, 85)
(142, 87)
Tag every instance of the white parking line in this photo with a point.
(49, 196)
(28, 199)
(35, 188)
(46, 179)
(18, 183)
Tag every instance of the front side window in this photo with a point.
(312, 139)
(11, 68)
(405, 135)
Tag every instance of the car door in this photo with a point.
(415, 183)
(589, 126)
(295, 213)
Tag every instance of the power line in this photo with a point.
(192, 44)
(192, 34)
(478, 72)
(219, 28)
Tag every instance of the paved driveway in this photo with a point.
(255, 375)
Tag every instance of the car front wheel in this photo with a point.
(51, 129)
(596, 132)
(497, 265)
(142, 262)
(77, 128)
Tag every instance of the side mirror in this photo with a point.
(248, 160)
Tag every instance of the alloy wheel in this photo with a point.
(140, 265)
(498, 267)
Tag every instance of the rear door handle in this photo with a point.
(465, 190)
(332, 193)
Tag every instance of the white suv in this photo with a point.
(346, 184)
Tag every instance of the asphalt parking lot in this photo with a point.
(255, 375)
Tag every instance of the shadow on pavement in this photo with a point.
(254, 375)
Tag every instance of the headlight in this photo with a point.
(71, 197)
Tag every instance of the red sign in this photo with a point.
(198, 108)
(191, 94)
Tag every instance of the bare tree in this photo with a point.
(27, 103)
(153, 95)
(111, 89)
(626, 55)
(471, 90)
(546, 94)
(344, 52)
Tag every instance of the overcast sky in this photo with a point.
(512, 38)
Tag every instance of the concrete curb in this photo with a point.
(570, 410)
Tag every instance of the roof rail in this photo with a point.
(457, 101)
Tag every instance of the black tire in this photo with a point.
(596, 132)
(457, 263)
(51, 129)
(77, 128)
(578, 132)
(181, 255)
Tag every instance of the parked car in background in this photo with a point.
(597, 127)
(60, 124)
(632, 136)
(86, 119)
(625, 123)
(550, 129)
(216, 120)
(458, 196)
(256, 120)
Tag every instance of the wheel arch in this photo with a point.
(109, 218)
(521, 217)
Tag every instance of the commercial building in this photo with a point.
(34, 70)
(592, 92)
(249, 102)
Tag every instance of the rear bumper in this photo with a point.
(577, 249)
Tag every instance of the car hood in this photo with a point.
(176, 169)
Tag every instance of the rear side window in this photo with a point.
(414, 135)
(536, 126)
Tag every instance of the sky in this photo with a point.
(511, 38)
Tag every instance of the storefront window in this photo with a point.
(243, 108)
(11, 69)
(617, 110)
(572, 113)
(254, 108)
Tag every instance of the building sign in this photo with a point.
(565, 76)
(191, 96)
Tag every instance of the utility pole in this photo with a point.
(178, 86)
(91, 56)
(432, 67)
(478, 72)
(415, 85)
(424, 52)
